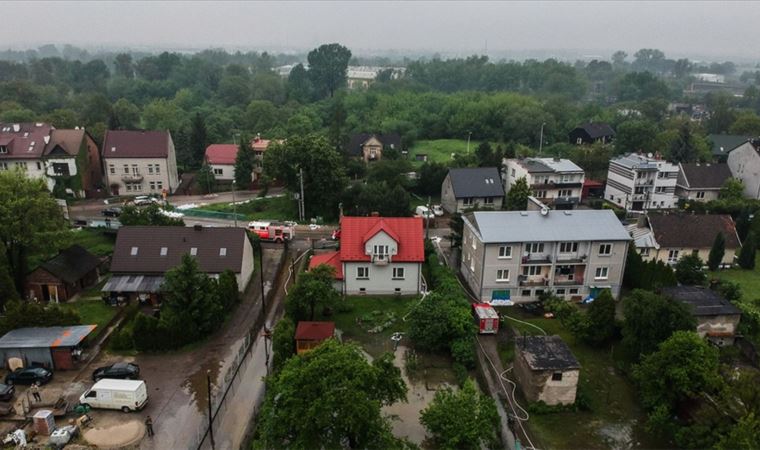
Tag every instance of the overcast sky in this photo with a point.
(721, 30)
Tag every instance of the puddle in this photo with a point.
(197, 385)
(618, 436)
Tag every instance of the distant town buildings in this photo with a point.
(591, 132)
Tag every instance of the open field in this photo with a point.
(272, 208)
(92, 312)
(440, 150)
(748, 280)
(615, 419)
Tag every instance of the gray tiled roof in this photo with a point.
(722, 144)
(701, 301)
(550, 165)
(555, 226)
(546, 353)
(476, 182)
(703, 176)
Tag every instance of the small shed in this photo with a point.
(310, 334)
(63, 276)
(51, 347)
(717, 318)
(487, 318)
(546, 369)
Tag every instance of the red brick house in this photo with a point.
(64, 276)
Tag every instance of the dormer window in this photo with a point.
(164, 251)
(223, 251)
(193, 251)
(133, 251)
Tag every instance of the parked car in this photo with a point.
(424, 212)
(29, 375)
(113, 211)
(120, 370)
(438, 210)
(6, 392)
(142, 200)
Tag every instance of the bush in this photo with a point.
(122, 340)
(460, 373)
(24, 314)
(463, 351)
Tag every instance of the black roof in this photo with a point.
(546, 353)
(704, 176)
(388, 140)
(702, 301)
(476, 182)
(722, 144)
(596, 130)
(72, 264)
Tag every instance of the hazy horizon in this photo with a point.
(709, 30)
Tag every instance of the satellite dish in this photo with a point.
(649, 155)
(544, 211)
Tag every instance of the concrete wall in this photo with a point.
(744, 163)
(247, 266)
(448, 201)
(539, 386)
(227, 171)
(656, 188)
(381, 281)
(34, 168)
(723, 324)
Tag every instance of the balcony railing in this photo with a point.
(131, 177)
(525, 281)
(536, 259)
(571, 258)
(381, 260)
(566, 282)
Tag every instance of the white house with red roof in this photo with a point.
(377, 256)
(221, 160)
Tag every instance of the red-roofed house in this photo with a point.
(310, 334)
(140, 162)
(378, 255)
(221, 159)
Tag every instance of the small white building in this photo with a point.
(546, 369)
(221, 160)
(555, 182)
(639, 182)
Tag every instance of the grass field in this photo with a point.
(92, 311)
(440, 150)
(274, 208)
(748, 280)
(95, 241)
(615, 419)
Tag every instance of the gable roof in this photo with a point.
(221, 154)
(542, 165)
(722, 144)
(409, 231)
(314, 331)
(378, 227)
(71, 264)
(676, 230)
(136, 144)
(596, 130)
(67, 140)
(178, 241)
(555, 226)
(476, 182)
(392, 140)
(701, 301)
(24, 140)
(703, 176)
(331, 259)
(546, 353)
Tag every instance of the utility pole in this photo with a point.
(541, 139)
(210, 417)
(427, 219)
(469, 134)
(234, 204)
(261, 282)
(302, 207)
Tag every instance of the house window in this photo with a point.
(525, 292)
(505, 251)
(157, 169)
(150, 169)
(502, 275)
(513, 172)
(223, 251)
(601, 273)
(152, 185)
(126, 168)
(573, 291)
(3, 149)
(39, 165)
(398, 273)
(567, 178)
(605, 249)
(659, 189)
(644, 251)
(21, 165)
(560, 292)
(534, 247)
(380, 251)
(467, 201)
(159, 185)
(531, 270)
(112, 169)
(135, 170)
(488, 201)
(701, 194)
(164, 251)
(133, 251)
(539, 194)
(193, 251)
(579, 141)
(3, 166)
(218, 171)
(557, 376)
(672, 256)
(568, 247)
(565, 192)
(362, 273)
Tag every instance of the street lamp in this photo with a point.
(541, 139)
(210, 417)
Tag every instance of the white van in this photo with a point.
(424, 212)
(126, 395)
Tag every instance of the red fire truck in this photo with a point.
(273, 231)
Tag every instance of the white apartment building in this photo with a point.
(638, 182)
(555, 182)
(140, 162)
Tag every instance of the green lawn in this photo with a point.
(615, 420)
(440, 150)
(97, 242)
(748, 280)
(274, 208)
(92, 311)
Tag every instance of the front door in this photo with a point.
(53, 292)
(45, 293)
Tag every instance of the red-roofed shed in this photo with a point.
(331, 259)
(221, 154)
(310, 334)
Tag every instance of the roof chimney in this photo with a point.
(198, 227)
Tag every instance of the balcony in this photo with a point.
(571, 258)
(536, 259)
(557, 185)
(567, 200)
(525, 280)
(644, 182)
(131, 178)
(568, 282)
(381, 260)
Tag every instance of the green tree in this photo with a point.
(198, 139)
(30, 222)
(650, 319)
(123, 66)
(191, 308)
(431, 178)
(245, 162)
(463, 419)
(228, 291)
(717, 252)
(683, 148)
(438, 321)
(127, 114)
(635, 136)
(601, 319)
(148, 215)
(684, 367)
(323, 173)
(746, 123)
(8, 290)
(327, 68)
(745, 435)
(313, 290)
(689, 270)
(206, 179)
(23, 314)
(732, 189)
(331, 395)
(487, 156)
(747, 253)
(517, 197)
(299, 87)
(283, 342)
